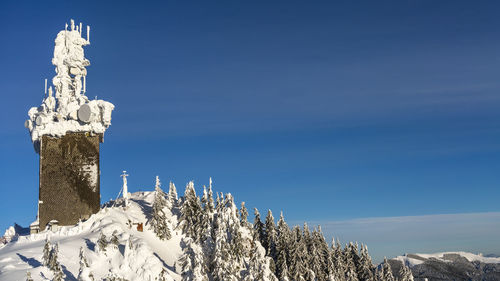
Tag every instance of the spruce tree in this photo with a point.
(366, 269)
(28, 276)
(172, 194)
(243, 215)
(158, 218)
(297, 268)
(271, 236)
(258, 227)
(192, 264)
(114, 240)
(46, 252)
(405, 273)
(191, 213)
(387, 271)
(350, 267)
(102, 242)
(282, 248)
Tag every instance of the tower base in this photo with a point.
(69, 178)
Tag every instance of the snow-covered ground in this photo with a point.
(140, 255)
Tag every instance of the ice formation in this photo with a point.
(68, 109)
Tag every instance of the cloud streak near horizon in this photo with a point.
(392, 236)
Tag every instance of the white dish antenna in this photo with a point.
(84, 113)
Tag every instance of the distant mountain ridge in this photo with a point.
(450, 266)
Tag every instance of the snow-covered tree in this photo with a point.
(192, 262)
(282, 248)
(387, 271)
(405, 273)
(350, 267)
(258, 227)
(102, 242)
(297, 268)
(191, 213)
(366, 269)
(243, 214)
(114, 240)
(46, 252)
(84, 273)
(172, 194)
(271, 235)
(158, 218)
(28, 276)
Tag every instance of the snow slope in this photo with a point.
(140, 255)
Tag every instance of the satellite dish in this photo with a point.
(27, 124)
(84, 113)
(39, 120)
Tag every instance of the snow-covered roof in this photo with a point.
(68, 109)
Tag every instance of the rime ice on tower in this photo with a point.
(66, 130)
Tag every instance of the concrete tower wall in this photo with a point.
(69, 178)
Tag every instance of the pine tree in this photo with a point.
(159, 219)
(191, 213)
(366, 269)
(243, 214)
(338, 261)
(114, 240)
(387, 271)
(192, 262)
(297, 268)
(172, 194)
(258, 226)
(271, 236)
(46, 252)
(350, 267)
(53, 263)
(162, 275)
(102, 242)
(84, 273)
(405, 273)
(282, 248)
(210, 202)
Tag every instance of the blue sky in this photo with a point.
(328, 110)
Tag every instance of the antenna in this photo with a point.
(45, 92)
(88, 33)
(210, 184)
(125, 187)
(80, 29)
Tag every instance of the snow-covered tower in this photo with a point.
(66, 130)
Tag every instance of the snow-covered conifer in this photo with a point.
(46, 252)
(405, 273)
(350, 267)
(258, 227)
(114, 240)
(297, 267)
(282, 247)
(387, 271)
(102, 242)
(84, 272)
(158, 218)
(191, 213)
(271, 235)
(192, 262)
(366, 268)
(243, 214)
(172, 194)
